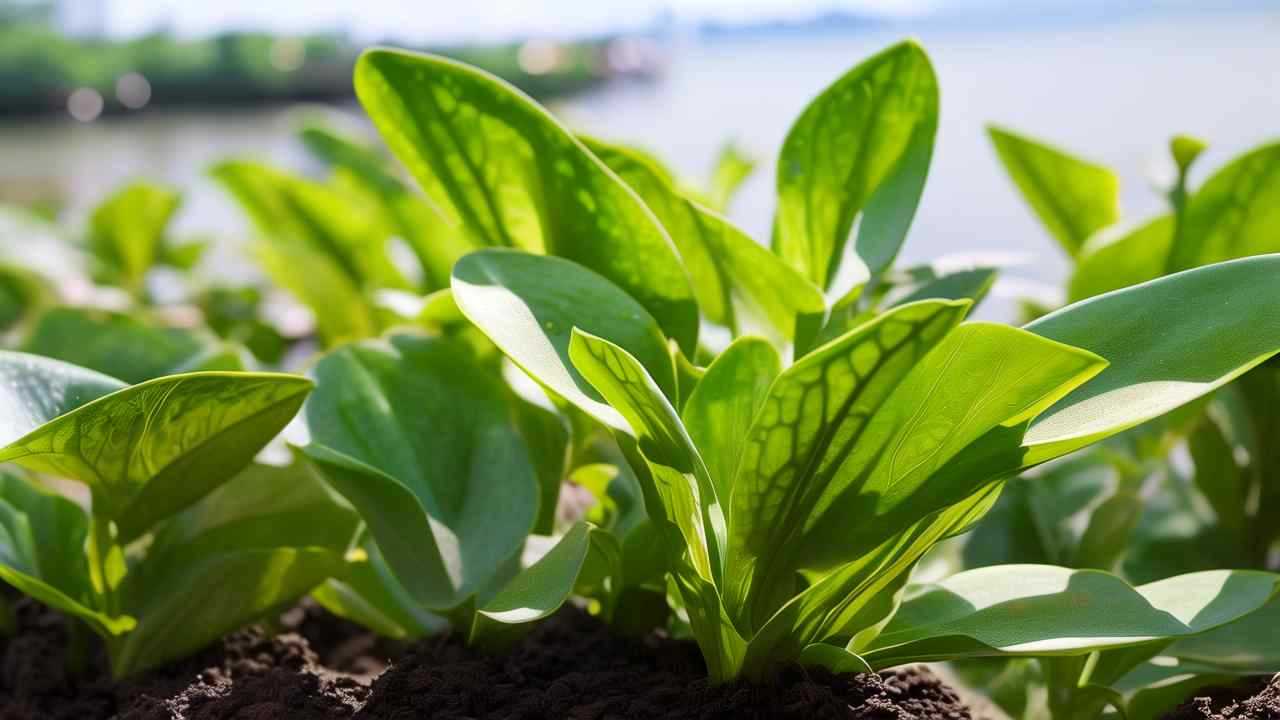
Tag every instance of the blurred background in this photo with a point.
(97, 92)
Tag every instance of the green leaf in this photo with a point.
(540, 589)
(547, 440)
(1168, 342)
(529, 305)
(42, 537)
(22, 293)
(834, 658)
(1247, 646)
(732, 168)
(1043, 610)
(719, 413)
(255, 544)
(499, 166)
(123, 345)
(1217, 476)
(680, 478)
(1072, 197)
(861, 147)
(1110, 525)
(737, 281)
(214, 596)
(368, 593)
(1235, 213)
(814, 414)
(145, 451)
(1122, 256)
(428, 452)
(127, 231)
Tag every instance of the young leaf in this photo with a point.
(127, 232)
(1045, 610)
(680, 476)
(529, 305)
(719, 413)
(1072, 197)
(498, 165)
(1234, 214)
(145, 451)
(861, 147)
(732, 168)
(1168, 342)
(737, 281)
(428, 452)
(42, 538)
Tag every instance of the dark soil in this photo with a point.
(569, 668)
(1257, 700)
(572, 667)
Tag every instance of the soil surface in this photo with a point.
(316, 666)
(572, 667)
(1258, 700)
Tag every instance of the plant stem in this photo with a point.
(100, 546)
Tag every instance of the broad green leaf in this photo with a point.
(1072, 197)
(540, 589)
(862, 147)
(980, 378)
(738, 282)
(42, 537)
(719, 413)
(529, 305)
(122, 345)
(1168, 342)
(127, 232)
(500, 167)
(342, 311)
(219, 593)
(1250, 645)
(1121, 256)
(1234, 214)
(680, 477)
(813, 416)
(732, 168)
(145, 451)
(1044, 610)
(428, 452)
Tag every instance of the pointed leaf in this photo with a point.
(1045, 610)
(724, 403)
(681, 480)
(732, 168)
(127, 231)
(1234, 214)
(528, 305)
(1120, 257)
(862, 146)
(148, 450)
(1168, 342)
(498, 165)
(1072, 197)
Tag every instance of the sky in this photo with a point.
(455, 19)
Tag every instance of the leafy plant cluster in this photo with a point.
(555, 370)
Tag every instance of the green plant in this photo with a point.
(176, 536)
(1126, 503)
(128, 236)
(451, 473)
